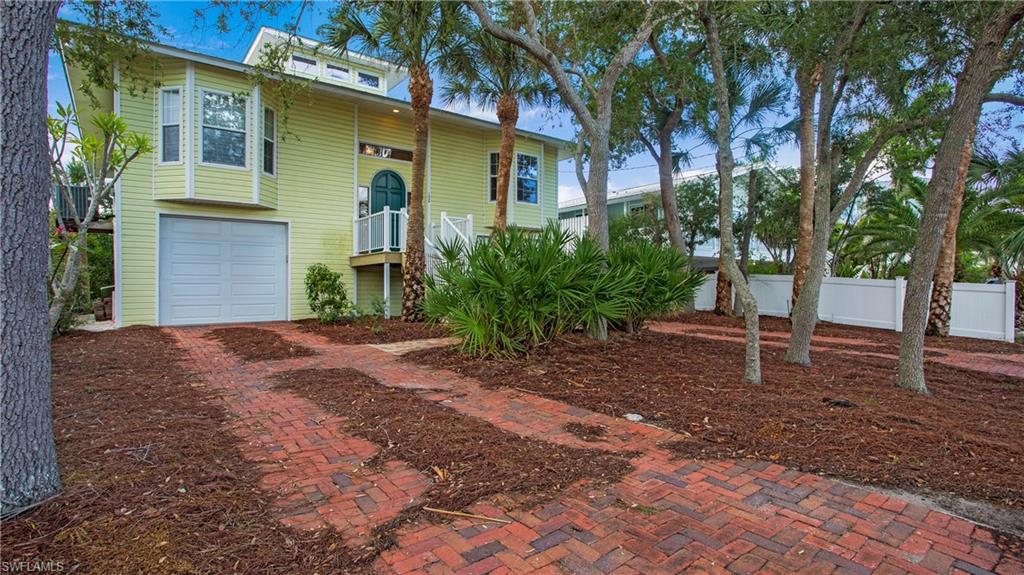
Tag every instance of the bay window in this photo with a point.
(224, 129)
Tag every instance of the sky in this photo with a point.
(185, 30)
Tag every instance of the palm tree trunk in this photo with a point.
(945, 269)
(807, 86)
(29, 473)
(508, 115)
(421, 91)
(979, 73)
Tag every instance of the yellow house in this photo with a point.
(220, 223)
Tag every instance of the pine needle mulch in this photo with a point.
(153, 483)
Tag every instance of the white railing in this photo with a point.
(387, 230)
(984, 311)
(577, 225)
(455, 228)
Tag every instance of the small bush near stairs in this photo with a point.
(326, 294)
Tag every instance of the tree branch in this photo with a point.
(1004, 98)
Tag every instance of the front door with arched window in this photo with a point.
(388, 190)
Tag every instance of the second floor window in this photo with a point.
(338, 73)
(492, 177)
(369, 80)
(170, 125)
(526, 179)
(301, 64)
(224, 129)
(269, 141)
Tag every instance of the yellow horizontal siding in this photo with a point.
(314, 189)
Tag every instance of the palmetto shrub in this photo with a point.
(659, 281)
(520, 289)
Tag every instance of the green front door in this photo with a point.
(388, 190)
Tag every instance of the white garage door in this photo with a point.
(220, 271)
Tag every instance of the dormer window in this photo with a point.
(303, 64)
(369, 80)
(340, 73)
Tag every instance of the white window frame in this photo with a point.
(359, 80)
(327, 72)
(161, 124)
(316, 64)
(263, 140)
(487, 188)
(515, 187)
(202, 124)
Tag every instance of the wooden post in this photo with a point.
(387, 230)
(1010, 299)
(900, 290)
(387, 290)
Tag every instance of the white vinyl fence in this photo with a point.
(984, 311)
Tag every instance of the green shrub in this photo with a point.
(522, 289)
(659, 281)
(326, 294)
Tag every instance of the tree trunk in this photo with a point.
(28, 461)
(667, 187)
(596, 193)
(723, 137)
(807, 85)
(748, 232)
(979, 73)
(805, 309)
(945, 270)
(69, 277)
(508, 116)
(421, 91)
(723, 287)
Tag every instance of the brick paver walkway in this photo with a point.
(1000, 363)
(667, 516)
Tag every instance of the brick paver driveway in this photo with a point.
(667, 516)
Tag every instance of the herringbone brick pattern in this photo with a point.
(667, 516)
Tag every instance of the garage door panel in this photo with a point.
(244, 289)
(195, 227)
(255, 251)
(208, 249)
(197, 313)
(220, 271)
(195, 290)
(264, 311)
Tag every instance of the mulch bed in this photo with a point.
(152, 481)
(372, 330)
(964, 439)
(469, 459)
(254, 344)
(886, 341)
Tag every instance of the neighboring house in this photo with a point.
(572, 213)
(221, 222)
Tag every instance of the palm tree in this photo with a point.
(414, 35)
(500, 75)
(888, 230)
(752, 99)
